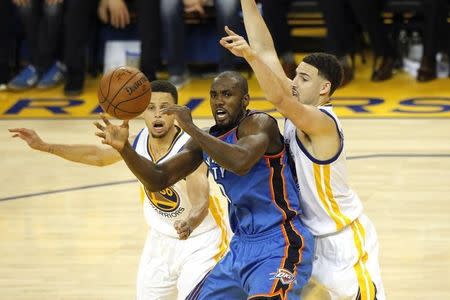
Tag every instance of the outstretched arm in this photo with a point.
(279, 91)
(258, 134)
(259, 37)
(198, 191)
(154, 177)
(85, 154)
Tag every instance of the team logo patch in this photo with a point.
(284, 276)
(166, 200)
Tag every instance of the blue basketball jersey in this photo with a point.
(264, 198)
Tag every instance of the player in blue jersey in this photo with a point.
(270, 252)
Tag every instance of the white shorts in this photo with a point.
(170, 268)
(346, 263)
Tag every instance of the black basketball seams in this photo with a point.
(119, 89)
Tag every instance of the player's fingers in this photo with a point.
(125, 123)
(105, 119)
(99, 126)
(101, 135)
(229, 31)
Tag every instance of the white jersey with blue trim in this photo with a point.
(328, 203)
(163, 208)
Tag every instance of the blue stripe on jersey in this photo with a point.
(136, 139)
(261, 200)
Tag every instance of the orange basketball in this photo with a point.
(124, 92)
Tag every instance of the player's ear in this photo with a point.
(246, 100)
(325, 88)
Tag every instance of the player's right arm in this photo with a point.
(154, 177)
(85, 154)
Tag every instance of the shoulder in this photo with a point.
(257, 122)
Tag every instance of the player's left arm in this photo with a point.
(257, 135)
(198, 193)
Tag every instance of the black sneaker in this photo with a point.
(73, 86)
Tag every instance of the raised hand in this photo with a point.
(236, 44)
(183, 229)
(182, 115)
(31, 137)
(114, 135)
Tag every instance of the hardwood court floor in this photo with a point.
(70, 231)
(75, 232)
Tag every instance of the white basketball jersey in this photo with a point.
(328, 203)
(163, 208)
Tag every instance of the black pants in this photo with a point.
(342, 18)
(42, 27)
(79, 19)
(435, 27)
(275, 16)
(6, 34)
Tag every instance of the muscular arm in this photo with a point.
(155, 177)
(258, 134)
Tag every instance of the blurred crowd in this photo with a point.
(47, 42)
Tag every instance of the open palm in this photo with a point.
(114, 135)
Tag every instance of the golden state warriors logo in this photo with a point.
(166, 200)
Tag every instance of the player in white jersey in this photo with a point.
(187, 230)
(346, 261)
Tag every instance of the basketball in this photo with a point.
(124, 92)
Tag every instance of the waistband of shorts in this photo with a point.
(339, 231)
(266, 235)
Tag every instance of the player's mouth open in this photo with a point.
(221, 114)
(158, 125)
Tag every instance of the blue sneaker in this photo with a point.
(53, 76)
(26, 79)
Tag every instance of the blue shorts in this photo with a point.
(272, 265)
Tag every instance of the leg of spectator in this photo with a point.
(341, 33)
(30, 16)
(227, 13)
(435, 12)
(79, 14)
(149, 24)
(49, 41)
(275, 16)
(341, 27)
(6, 13)
(368, 13)
(173, 29)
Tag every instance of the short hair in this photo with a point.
(164, 86)
(328, 66)
(242, 82)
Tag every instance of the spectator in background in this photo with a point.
(41, 20)
(117, 13)
(80, 16)
(435, 26)
(172, 18)
(6, 33)
(342, 18)
(275, 16)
